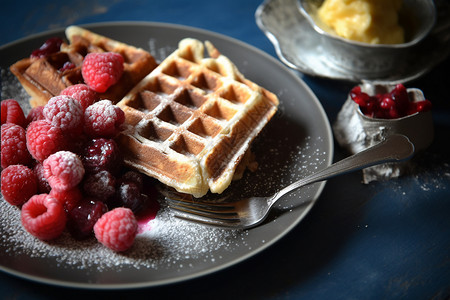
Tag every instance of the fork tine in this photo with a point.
(203, 206)
(192, 210)
(235, 224)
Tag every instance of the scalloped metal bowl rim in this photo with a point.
(416, 40)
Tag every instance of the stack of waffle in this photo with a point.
(44, 77)
(190, 121)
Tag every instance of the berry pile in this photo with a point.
(62, 167)
(392, 105)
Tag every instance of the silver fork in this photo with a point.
(250, 212)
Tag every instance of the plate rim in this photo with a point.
(208, 271)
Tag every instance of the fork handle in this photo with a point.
(394, 148)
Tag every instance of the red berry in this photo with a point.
(35, 114)
(14, 145)
(129, 195)
(355, 91)
(117, 229)
(82, 218)
(387, 103)
(68, 65)
(102, 70)
(43, 186)
(12, 113)
(393, 105)
(44, 217)
(101, 185)
(393, 113)
(400, 95)
(102, 154)
(18, 184)
(64, 112)
(133, 176)
(82, 93)
(68, 198)
(424, 105)
(44, 139)
(63, 170)
(103, 119)
(52, 45)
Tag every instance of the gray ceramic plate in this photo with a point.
(299, 46)
(296, 142)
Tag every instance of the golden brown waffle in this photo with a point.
(42, 78)
(190, 121)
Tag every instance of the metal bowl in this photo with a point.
(355, 131)
(374, 60)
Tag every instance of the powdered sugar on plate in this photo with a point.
(167, 241)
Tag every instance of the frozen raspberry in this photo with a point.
(102, 154)
(101, 185)
(18, 184)
(64, 112)
(44, 139)
(82, 218)
(44, 217)
(103, 119)
(68, 198)
(35, 114)
(117, 229)
(102, 70)
(43, 186)
(12, 113)
(82, 93)
(52, 45)
(14, 145)
(63, 170)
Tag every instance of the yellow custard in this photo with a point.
(367, 21)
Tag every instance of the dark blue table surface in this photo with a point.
(385, 240)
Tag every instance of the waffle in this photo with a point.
(42, 78)
(190, 122)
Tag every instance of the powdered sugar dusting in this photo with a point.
(284, 154)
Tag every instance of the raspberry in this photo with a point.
(44, 139)
(18, 184)
(64, 112)
(35, 114)
(50, 46)
(63, 170)
(102, 154)
(101, 185)
(43, 186)
(12, 113)
(117, 229)
(82, 218)
(103, 119)
(82, 93)
(44, 217)
(69, 198)
(13, 145)
(102, 70)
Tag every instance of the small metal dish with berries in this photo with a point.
(374, 111)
